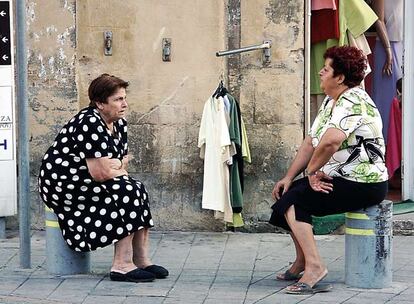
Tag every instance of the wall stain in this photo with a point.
(284, 11)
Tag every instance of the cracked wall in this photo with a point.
(166, 98)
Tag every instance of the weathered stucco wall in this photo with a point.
(166, 98)
(51, 42)
(271, 97)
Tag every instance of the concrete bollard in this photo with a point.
(368, 247)
(2, 227)
(60, 259)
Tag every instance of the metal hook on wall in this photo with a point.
(108, 43)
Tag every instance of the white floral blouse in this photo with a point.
(361, 157)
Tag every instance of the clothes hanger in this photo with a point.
(221, 90)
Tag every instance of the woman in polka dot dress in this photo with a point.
(83, 179)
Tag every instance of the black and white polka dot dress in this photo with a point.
(91, 214)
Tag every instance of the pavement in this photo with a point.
(205, 268)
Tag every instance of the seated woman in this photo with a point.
(84, 180)
(344, 160)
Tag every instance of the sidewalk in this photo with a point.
(208, 268)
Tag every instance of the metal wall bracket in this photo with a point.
(108, 43)
(267, 52)
(166, 49)
(265, 46)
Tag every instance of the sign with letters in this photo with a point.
(8, 179)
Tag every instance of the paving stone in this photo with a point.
(104, 300)
(205, 268)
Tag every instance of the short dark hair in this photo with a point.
(348, 61)
(104, 86)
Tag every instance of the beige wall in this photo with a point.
(166, 98)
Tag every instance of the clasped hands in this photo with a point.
(118, 164)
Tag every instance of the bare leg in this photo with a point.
(299, 264)
(122, 261)
(315, 270)
(140, 245)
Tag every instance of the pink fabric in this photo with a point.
(323, 4)
(393, 152)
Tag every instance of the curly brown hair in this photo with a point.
(348, 61)
(104, 86)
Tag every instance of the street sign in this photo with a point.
(5, 40)
(8, 179)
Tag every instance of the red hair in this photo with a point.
(348, 61)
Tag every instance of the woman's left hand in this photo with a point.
(319, 182)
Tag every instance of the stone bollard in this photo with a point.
(60, 259)
(368, 247)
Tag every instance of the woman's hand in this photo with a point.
(319, 182)
(105, 168)
(284, 184)
(125, 160)
(387, 68)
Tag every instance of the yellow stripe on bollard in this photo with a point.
(53, 224)
(47, 209)
(356, 216)
(354, 231)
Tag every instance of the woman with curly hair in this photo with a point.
(344, 164)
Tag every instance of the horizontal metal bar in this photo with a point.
(266, 45)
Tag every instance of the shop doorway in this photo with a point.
(400, 168)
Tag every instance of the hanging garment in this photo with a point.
(393, 152)
(214, 142)
(393, 18)
(355, 16)
(323, 4)
(384, 86)
(236, 169)
(324, 25)
(245, 143)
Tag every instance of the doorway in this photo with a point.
(400, 183)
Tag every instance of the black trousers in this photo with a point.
(346, 196)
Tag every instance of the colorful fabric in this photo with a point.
(317, 62)
(323, 4)
(324, 25)
(361, 156)
(394, 147)
(236, 192)
(355, 16)
(384, 86)
(245, 144)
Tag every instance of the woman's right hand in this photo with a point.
(282, 184)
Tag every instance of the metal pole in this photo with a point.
(266, 45)
(23, 142)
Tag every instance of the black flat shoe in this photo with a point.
(136, 275)
(159, 271)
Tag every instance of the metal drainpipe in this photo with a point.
(23, 139)
(408, 106)
(307, 50)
